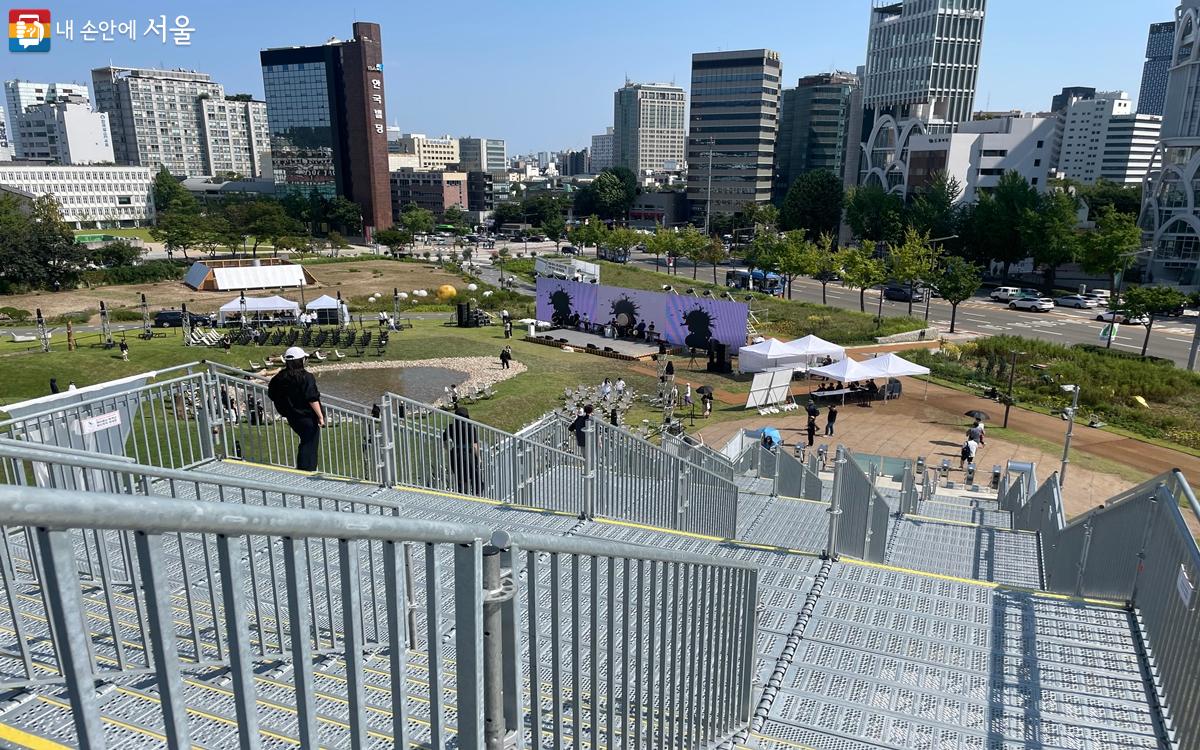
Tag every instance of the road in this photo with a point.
(1170, 338)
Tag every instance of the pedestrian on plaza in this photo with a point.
(294, 392)
(967, 454)
(505, 357)
(508, 328)
(54, 385)
(124, 347)
(976, 432)
(606, 388)
(687, 395)
(812, 409)
(71, 386)
(619, 387)
(708, 402)
(453, 391)
(830, 419)
(811, 429)
(579, 427)
(614, 418)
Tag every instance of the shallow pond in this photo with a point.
(425, 384)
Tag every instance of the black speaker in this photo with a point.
(719, 357)
(464, 315)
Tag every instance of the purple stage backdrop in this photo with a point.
(681, 320)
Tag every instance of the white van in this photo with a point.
(1005, 293)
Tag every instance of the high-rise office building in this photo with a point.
(572, 163)
(1103, 139)
(601, 152)
(1170, 219)
(1069, 95)
(483, 155)
(181, 120)
(921, 71)
(1159, 46)
(734, 124)
(431, 152)
(980, 152)
(20, 95)
(5, 149)
(648, 127)
(814, 119)
(326, 109)
(64, 131)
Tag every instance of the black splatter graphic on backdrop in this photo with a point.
(699, 323)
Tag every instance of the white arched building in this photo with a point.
(1171, 193)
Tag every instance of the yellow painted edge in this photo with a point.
(789, 743)
(986, 584)
(25, 739)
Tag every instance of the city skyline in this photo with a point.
(498, 91)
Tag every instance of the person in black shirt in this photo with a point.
(579, 427)
(294, 392)
(463, 443)
(831, 419)
(811, 429)
(505, 357)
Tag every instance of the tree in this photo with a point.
(1150, 302)
(662, 242)
(338, 242)
(606, 197)
(621, 239)
(53, 244)
(757, 216)
(116, 254)
(555, 228)
(298, 207)
(590, 232)
(691, 245)
(788, 253)
(508, 213)
(344, 214)
(455, 217)
(999, 216)
(416, 220)
(911, 261)
(1111, 248)
(825, 262)
(264, 220)
(1125, 199)
(393, 239)
(813, 204)
(861, 270)
(170, 194)
(178, 230)
(762, 253)
(1049, 231)
(714, 253)
(875, 214)
(933, 210)
(957, 281)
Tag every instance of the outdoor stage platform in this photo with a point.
(595, 344)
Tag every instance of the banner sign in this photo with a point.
(680, 320)
(100, 422)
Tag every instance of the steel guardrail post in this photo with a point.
(835, 504)
(496, 595)
(386, 442)
(589, 470)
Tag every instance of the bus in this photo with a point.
(767, 283)
(613, 254)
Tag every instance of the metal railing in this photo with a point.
(795, 479)
(699, 455)
(439, 450)
(908, 494)
(858, 514)
(1136, 548)
(249, 428)
(576, 638)
(888, 466)
(768, 462)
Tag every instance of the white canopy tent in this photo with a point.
(891, 366)
(768, 355)
(327, 310)
(257, 305)
(815, 346)
(845, 371)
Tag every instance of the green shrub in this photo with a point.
(125, 314)
(78, 317)
(16, 314)
(146, 273)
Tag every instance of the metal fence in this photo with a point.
(575, 638)
(858, 515)
(699, 455)
(893, 468)
(795, 479)
(908, 494)
(768, 461)
(1136, 548)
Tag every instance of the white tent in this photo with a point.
(815, 346)
(891, 366)
(768, 355)
(326, 308)
(845, 371)
(257, 305)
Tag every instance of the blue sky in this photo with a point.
(541, 73)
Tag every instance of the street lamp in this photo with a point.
(1012, 371)
(1062, 472)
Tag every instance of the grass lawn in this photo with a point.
(140, 233)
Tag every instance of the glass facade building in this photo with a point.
(326, 110)
(814, 120)
(1159, 46)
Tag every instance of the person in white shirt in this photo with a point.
(620, 386)
(967, 455)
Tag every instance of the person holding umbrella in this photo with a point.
(977, 430)
(706, 397)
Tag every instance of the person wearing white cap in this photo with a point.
(294, 392)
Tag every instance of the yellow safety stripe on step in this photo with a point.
(788, 743)
(987, 584)
(27, 740)
(107, 719)
(972, 524)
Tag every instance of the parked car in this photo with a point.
(569, 250)
(174, 319)
(901, 293)
(1033, 304)
(1120, 316)
(1078, 301)
(1010, 293)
